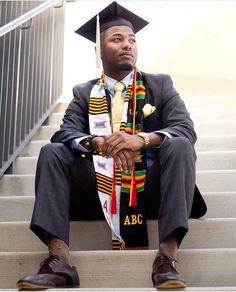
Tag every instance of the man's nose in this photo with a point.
(127, 45)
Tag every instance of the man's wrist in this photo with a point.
(156, 139)
(97, 141)
(88, 144)
(146, 139)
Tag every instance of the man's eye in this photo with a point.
(132, 41)
(117, 39)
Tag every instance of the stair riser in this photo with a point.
(196, 114)
(202, 128)
(128, 269)
(215, 128)
(17, 185)
(207, 181)
(16, 208)
(220, 205)
(221, 233)
(209, 102)
(33, 148)
(215, 143)
(205, 161)
(216, 181)
(205, 114)
(204, 143)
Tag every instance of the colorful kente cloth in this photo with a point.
(121, 193)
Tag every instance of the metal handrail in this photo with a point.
(27, 16)
(31, 72)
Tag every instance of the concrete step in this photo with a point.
(17, 185)
(197, 114)
(206, 160)
(61, 106)
(25, 165)
(128, 269)
(216, 180)
(216, 143)
(221, 233)
(45, 133)
(213, 113)
(207, 181)
(204, 143)
(33, 148)
(192, 289)
(216, 127)
(220, 204)
(216, 160)
(19, 208)
(209, 101)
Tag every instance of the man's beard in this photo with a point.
(125, 67)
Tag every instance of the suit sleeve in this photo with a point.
(75, 121)
(175, 117)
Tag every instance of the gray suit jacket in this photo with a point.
(170, 116)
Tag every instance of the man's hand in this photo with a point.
(124, 148)
(125, 159)
(97, 143)
(120, 141)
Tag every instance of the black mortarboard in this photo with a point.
(113, 15)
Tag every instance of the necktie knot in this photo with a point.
(119, 86)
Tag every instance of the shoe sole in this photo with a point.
(30, 286)
(171, 284)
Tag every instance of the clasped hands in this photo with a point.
(122, 147)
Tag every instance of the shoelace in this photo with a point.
(164, 259)
(49, 261)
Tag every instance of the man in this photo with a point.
(136, 153)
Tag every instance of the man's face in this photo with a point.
(118, 49)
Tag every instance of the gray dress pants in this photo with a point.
(65, 187)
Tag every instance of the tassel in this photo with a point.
(98, 51)
(113, 194)
(133, 201)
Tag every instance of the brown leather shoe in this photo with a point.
(164, 273)
(53, 273)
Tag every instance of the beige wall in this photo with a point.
(194, 41)
(201, 59)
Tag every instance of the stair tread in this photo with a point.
(196, 113)
(133, 267)
(204, 143)
(207, 181)
(220, 205)
(215, 127)
(206, 160)
(192, 289)
(221, 232)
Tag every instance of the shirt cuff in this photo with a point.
(167, 136)
(75, 144)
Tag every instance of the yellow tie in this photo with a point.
(117, 106)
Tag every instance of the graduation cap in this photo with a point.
(113, 15)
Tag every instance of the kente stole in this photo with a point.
(121, 193)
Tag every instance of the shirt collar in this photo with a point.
(111, 82)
